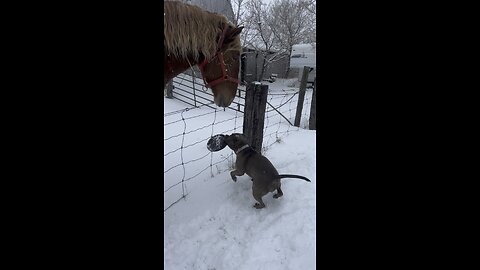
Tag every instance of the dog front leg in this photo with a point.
(236, 173)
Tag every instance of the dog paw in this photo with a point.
(258, 206)
(276, 196)
(234, 178)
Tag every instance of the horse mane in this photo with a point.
(190, 31)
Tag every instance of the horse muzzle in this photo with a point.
(222, 100)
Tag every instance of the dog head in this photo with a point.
(235, 141)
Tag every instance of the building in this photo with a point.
(303, 55)
(219, 6)
(252, 61)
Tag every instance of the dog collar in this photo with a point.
(241, 148)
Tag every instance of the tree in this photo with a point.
(291, 23)
(275, 27)
(311, 10)
(243, 17)
(239, 11)
(261, 36)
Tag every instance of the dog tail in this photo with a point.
(280, 176)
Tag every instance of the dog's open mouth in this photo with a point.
(216, 143)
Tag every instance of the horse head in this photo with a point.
(220, 73)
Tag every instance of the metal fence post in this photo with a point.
(312, 122)
(239, 95)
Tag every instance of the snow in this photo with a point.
(215, 226)
(305, 47)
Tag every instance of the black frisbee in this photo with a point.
(216, 143)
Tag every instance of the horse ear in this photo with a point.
(236, 31)
(233, 34)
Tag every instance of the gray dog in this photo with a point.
(264, 175)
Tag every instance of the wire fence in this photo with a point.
(280, 115)
(190, 89)
(186, 157)
(187, 130)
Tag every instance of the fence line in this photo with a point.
(191, 137)
(191, 96)
(184, 161)
(271, 121)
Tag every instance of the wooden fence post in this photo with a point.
(254, 114)
(170, 89)
(312, 122)
(301, 96)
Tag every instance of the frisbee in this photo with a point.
(216, 143)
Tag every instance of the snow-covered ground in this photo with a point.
(215, 226)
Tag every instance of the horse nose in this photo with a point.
(222, 101)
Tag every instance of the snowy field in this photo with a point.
(215, 225)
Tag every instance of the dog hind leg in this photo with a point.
(258, 196)
(279, 193)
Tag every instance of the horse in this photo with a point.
(193, 36)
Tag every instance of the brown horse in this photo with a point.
(192, 37)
